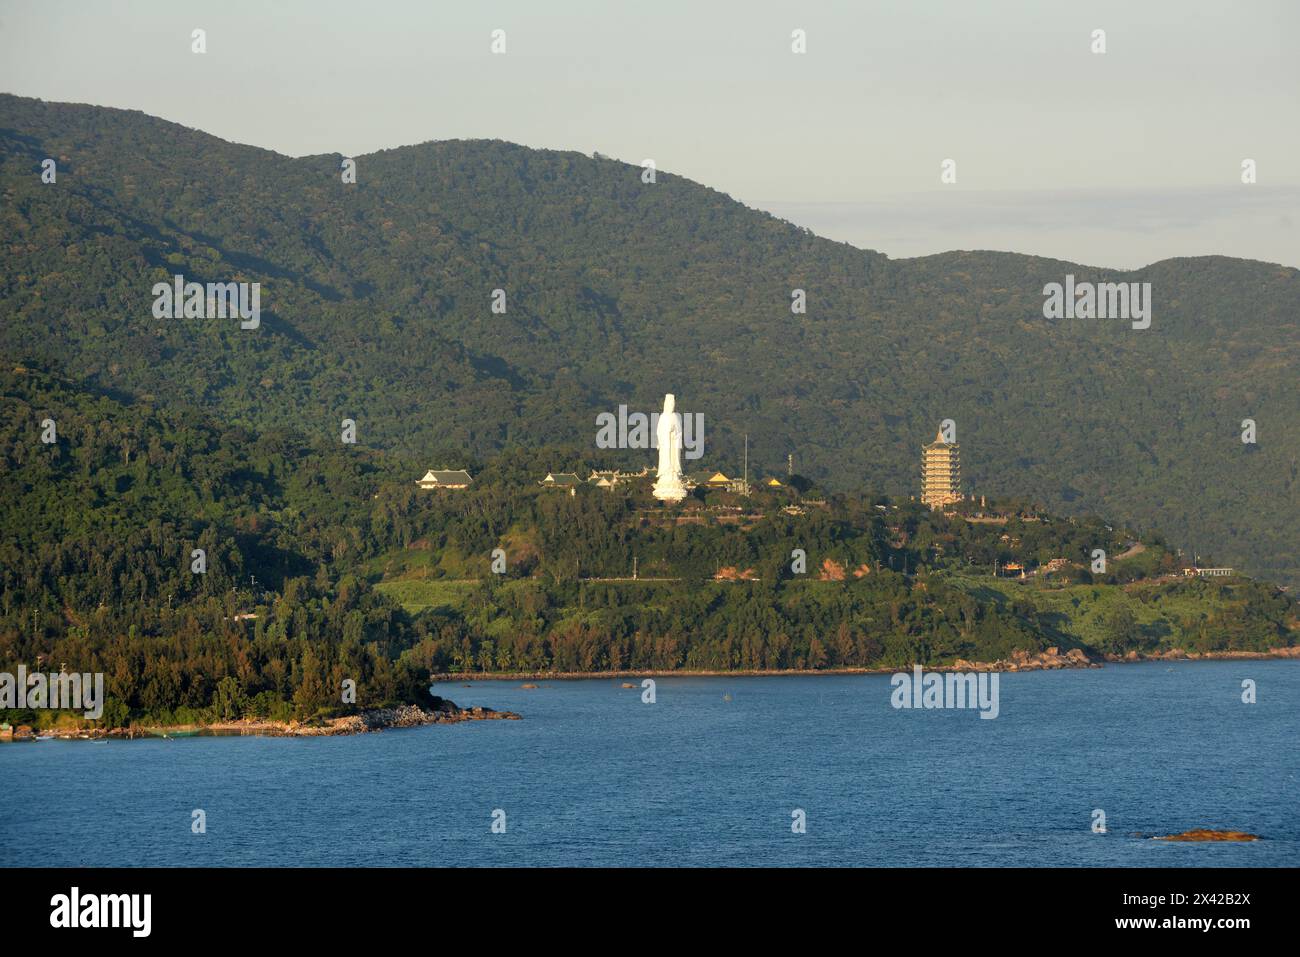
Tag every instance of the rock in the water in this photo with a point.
(1202, 834)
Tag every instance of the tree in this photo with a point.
(1122, 631)
(229, 701)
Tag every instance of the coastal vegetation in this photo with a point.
(326, 563)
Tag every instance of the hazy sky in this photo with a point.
(1117, 159)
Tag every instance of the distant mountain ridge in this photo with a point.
(377, 307)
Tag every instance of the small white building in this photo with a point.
(1194, 571)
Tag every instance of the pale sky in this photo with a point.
(1115, 159)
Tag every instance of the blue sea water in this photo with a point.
(592, 776)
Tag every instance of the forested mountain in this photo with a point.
(376, 306)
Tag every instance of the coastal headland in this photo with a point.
(376, 719)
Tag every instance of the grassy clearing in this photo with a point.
(417, 595)
(1080, 612)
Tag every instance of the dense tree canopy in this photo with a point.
(377, 307)
(325, 562)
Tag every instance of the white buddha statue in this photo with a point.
(669, 487)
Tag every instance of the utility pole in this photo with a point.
(746, 480)
(789, 465)
(633, 568)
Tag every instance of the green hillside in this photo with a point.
(377, 296)
(325, 562)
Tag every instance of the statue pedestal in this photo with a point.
(670, 490)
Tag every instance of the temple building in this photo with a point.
(608, 478)
(562, 480)
(940, 473)
(445, 478)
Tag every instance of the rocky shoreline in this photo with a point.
(1050, 658)
(377, 719)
